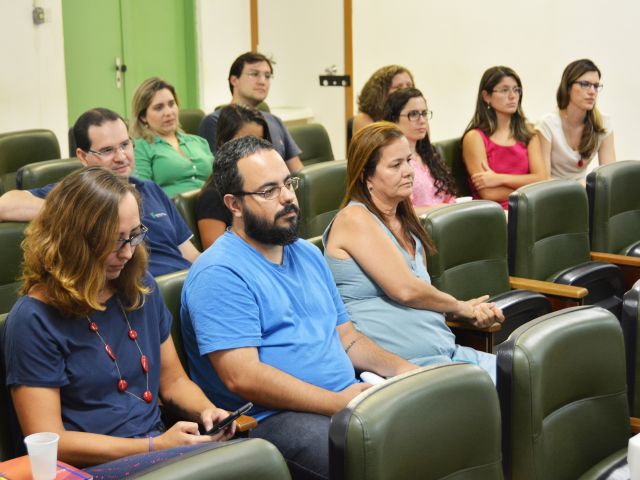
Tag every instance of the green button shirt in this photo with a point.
(175, 173)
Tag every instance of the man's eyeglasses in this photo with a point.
(108, 153)
(414, 115)
(134, 240)
(253, 74)
(585, 85)
(506, 90)
(270, 193)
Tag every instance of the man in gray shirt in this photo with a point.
(249, 82)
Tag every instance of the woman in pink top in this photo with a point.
(433, 183)
(499, 147)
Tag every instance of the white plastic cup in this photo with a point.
(43, 454)
(463, 199)
(633, 457)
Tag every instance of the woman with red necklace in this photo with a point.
(88, 349)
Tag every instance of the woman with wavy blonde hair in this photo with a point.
(88, 350)
(380, 85)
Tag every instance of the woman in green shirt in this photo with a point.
(163, 153)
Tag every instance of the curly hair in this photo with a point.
(443, 180)
(375, 91)
(142, 98)
(363, 156)
(67, 244)
(593, 124)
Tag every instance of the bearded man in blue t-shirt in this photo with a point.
(262, 320)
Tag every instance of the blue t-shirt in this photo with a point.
(167, 230)
(234, 297)
(43, 348)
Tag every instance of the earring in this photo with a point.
(488, 107)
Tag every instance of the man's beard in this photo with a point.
(269, 233)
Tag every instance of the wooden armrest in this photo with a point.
(615, 259)
(549, 288)
(635, 425)
(246, 423)
(496, 327)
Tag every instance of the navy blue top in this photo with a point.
(42, 348)
(167, 230)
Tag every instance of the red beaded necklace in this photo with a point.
(122, 384)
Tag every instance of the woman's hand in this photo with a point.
(182, 433)
(210, 417)
(486, 179)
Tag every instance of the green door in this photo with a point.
(150, 37)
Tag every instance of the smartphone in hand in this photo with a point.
(221, 425)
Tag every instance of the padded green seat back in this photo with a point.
(614, 201)
(313, 140)
(629, 321)
(471, 243)
(170, 286)
(548, 228)
(23, 147)
(317, 241)
(322, 187)
(233, 460)
(451, 153)
(186, 204)
(6, 438)
(11, 235)
(39, 174)
(433, 423)
(562, 386)
(190, 119)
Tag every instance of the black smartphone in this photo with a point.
(221, 425)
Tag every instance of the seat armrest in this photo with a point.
(549, 288)
(246, 423)
(615, 259)
(635, 425)
(461, 324)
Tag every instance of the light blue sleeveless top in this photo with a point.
(420, 336)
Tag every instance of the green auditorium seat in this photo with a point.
(23, 147)
(39, 174)
(322, 187)
(561, 381)
(439, 422)
(9, 429)
(317, 241)
(190, 119)
(11, 235)
(470, 260)
(451, 153)
(313, 140)
(235, 460)
(186, 204)
(629, 321)
(549, 240)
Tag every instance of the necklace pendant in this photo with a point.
(147, 396)
(581, 163)
(133, 334)
(122, 385)
(93, 326)
(144, 361)
(109, 351)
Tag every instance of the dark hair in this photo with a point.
(363, 156)
(249, 57)
(484, 117)
(593, 126)
(443, 180)
(375, 91)
(227, 177)
(233, 117)
(92, 118)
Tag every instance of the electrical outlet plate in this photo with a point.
(335, 80)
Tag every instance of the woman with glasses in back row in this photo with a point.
(572, 136)
(499, 147)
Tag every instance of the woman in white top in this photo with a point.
(572, 136)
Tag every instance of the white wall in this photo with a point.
(33, 92)
(448, 45)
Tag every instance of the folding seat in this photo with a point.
(190, 119)
(9, 429)
(11, 235)
(39, 174)
(561, 381)
(451, 153)
(322, 187)
(470, 260)
(629, 321)
(433, 423)
(317, 241)
(23, 147)
(549, 240)
(186, 204)
(313, 140)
